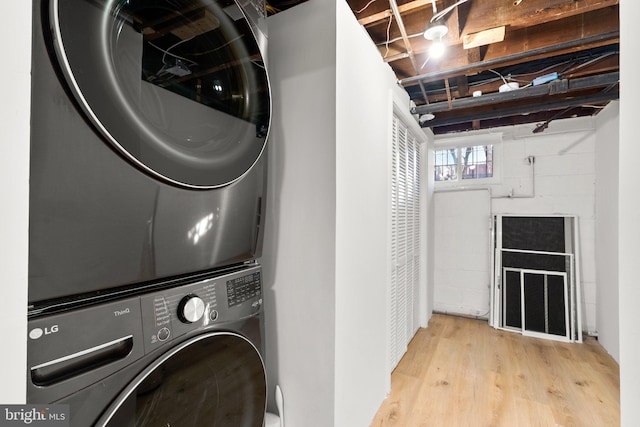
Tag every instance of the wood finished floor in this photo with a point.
(462, 372)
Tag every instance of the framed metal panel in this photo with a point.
(546, 298)
(553, 311)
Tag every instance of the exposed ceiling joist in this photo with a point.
(579, 32)
(490, 43)
(495, 13)
(384, 15)
(551, 88)
(515, 57)
(518, 40)
(405, 39)
(525, 109)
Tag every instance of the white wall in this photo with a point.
(564, 184)
(629, 210)
(14, 214)
(462, 259)
(300, 245)
(309, 292)
(607, 310)
(325, 255)
(363, 113)
(430, 213)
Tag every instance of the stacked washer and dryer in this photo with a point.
(147, 189)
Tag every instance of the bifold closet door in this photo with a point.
(405, 240)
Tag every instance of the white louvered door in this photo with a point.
(405, 240)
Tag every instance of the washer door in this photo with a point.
(215, 379)
(178, 87)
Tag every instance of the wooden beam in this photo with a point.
(482, 38)
(463, 86)
(495, 13)
(478, 16)
(574, 34)
(404, 8)
(407, 43)
(449, 100)
(474, 16)
(554, 32)
(474, 55)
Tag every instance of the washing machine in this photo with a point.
(148, 132)
(184, 356)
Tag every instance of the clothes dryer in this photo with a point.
(149, 124)
(186, 356)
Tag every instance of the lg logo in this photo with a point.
(38, 332)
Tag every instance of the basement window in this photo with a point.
(463, 163)
(473, 162)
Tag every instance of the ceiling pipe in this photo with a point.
(551, 88)
(514, 57)
(525, 109)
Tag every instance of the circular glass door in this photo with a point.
(178, 87)
(215, 380)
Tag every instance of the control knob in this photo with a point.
(191, 309)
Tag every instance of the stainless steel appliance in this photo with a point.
(149, 123)
(184, 356)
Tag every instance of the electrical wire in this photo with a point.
(206, 52)
(388, 34)
(271, 10)
(366, 6)
(542, 126)
(166, 52)
(570, 68)
(484, 82)
(500, 75)
(442, 13)
(538, 72)
(425, 62)
(591, 61)
(257, 64)
(397, 39)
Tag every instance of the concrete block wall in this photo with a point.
(564, 183)
(462, 252)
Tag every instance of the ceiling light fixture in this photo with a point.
(426, 117)
(434, 32)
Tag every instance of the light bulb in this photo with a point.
(436, 50)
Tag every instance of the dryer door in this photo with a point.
(216, 379)
(178, 87)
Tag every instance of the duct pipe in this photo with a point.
(554, 87)
(526, 109)
(514, 57)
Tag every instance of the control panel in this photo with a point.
(93, 342)
(174, 312)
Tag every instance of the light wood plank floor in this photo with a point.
(462, 372)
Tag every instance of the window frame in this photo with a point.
(470, 141)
